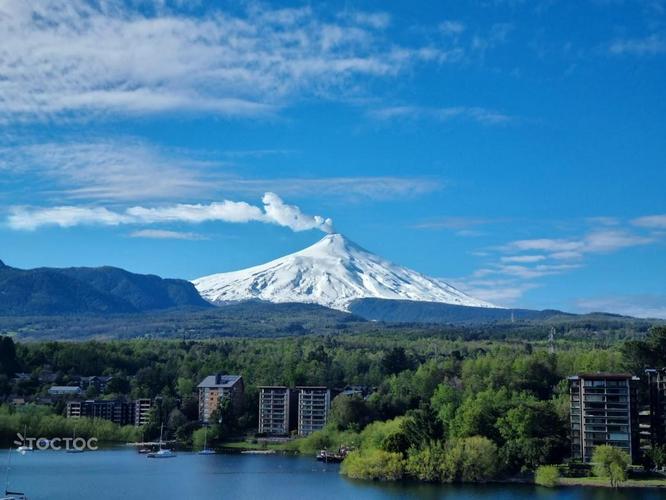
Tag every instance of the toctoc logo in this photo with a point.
(25, 443)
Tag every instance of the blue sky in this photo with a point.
(514, 148)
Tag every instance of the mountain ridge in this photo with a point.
(86, 290)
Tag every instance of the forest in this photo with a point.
(440, 409)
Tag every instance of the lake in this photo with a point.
(124, 474)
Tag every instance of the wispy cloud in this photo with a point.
(519, 266)
(72, 57)
(651, 221)
(640, 306)
(128, 169)
(453, 222)
(274, 211)
(476, 114)
(651, 45)
(124, 169)
(361, 187)
(164, 234)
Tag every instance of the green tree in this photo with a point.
(610, 462)
(547, 475)
(471, 459)
(350, 412)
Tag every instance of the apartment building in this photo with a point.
(117, 411)
(314, 403)
(214, 389)
(142, 408)
(656, 382)
(276, 408)
(604, 410)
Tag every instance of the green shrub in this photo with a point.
(610, 462)
(547, 475)
(373, 464)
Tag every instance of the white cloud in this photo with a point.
(25, 218)
(275, 211)
(476, 114)
(597, 241)
(651, 221)
(640, 306)
(523, 258)
(72, 57)
(163, 234)
(110, 170)
(133, 170)
(503, 292)
(292, 217)
(648, 46)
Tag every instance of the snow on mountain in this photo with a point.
(332, 272)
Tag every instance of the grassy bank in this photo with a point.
(604, 483)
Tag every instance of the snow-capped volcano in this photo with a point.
(332, 272)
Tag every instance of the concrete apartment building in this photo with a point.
(118, 411)
(314, 403)
(215, 388)
(604, 410)
(142, 408)
(656, 416)
(276, 408)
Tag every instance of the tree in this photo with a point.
(350, 412)
(395, 361)
(547, 475)
(8, 362)
(472, 459)
(610, 462)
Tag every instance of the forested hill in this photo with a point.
(81, 290)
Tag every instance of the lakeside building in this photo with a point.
(117, 411)
(604, 410)
(215, 388)
(656, 414)
(276, 410)
(142, 409)
(314, 403)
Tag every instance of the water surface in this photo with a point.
(124, 474)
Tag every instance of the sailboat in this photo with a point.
(162, 452)
(206, 450)
(24, 447)
(11, 495)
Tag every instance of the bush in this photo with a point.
(373, 464)
(547, 475)
(610, 462)
(426, 464)
(472, 459)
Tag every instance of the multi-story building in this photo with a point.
(275, 410)
(215, 388)
(117, 411)
(656, 381)
(604, 410)
(313, 406)
(142, 408)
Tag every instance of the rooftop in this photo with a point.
(219, 380)
(603, 376)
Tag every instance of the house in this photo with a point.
(214, 389)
